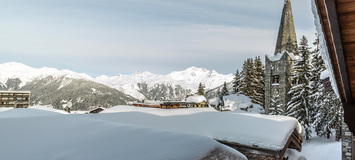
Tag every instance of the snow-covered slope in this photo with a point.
(188, 80)
(50, 86)
(13, 70)
(145, 85)
(42, 135)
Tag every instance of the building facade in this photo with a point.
(15, 99)
(278, 68)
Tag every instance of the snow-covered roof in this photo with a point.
(196, 99)
(151, 102)
(278, 56)
(86, 137)
(103, 108)
(264, 131)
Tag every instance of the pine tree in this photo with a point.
(258, 84)
(300, 105)
(328, 115)
(275, 106)
(248, 75)
(317, 91)
(224, 91)
(237, 83)
(201, 89)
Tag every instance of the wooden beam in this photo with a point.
(331, 9)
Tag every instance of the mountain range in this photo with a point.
(50, 86)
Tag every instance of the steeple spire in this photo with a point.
(286, 39)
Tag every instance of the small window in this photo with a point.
(276, 79)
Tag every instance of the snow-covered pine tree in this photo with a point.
(258, 82)
(224, 91)
(275, 106)
(300, 105)
(247, 77)
(317, 85)
(237, 82)
(201, 89)
(328, 116)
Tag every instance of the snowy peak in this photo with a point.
(13, 70)
(139, 84)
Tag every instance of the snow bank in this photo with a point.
(47, 108)
(271, 132)
(317, 148)
(26, 112)
(159, 112)
(59, 136)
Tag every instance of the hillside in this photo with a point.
(50, 86)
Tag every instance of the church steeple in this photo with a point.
(286, 39)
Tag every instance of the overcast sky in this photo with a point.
(109, 37)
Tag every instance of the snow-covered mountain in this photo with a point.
(13, 70)
(175, 85)
(50, 86)
(47, 83)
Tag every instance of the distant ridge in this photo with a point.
(49, 85)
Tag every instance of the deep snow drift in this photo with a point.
(271, 132)
(46, 133)
(42, 135)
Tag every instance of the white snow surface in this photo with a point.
(265, 131)
(323, 47)
(196, 99)
(317, 148)
(188, 79)
(42, 135)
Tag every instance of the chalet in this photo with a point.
(15, 99)
(147, 103)
(196, 101)
(335, 20)
(97, 110)
(173, 104)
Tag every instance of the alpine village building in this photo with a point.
(15, 99)
(278, 68)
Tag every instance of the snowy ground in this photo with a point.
(46, 134)
(123, 131)
(318, 148)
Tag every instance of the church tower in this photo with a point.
(286, 39)
(278, 68)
